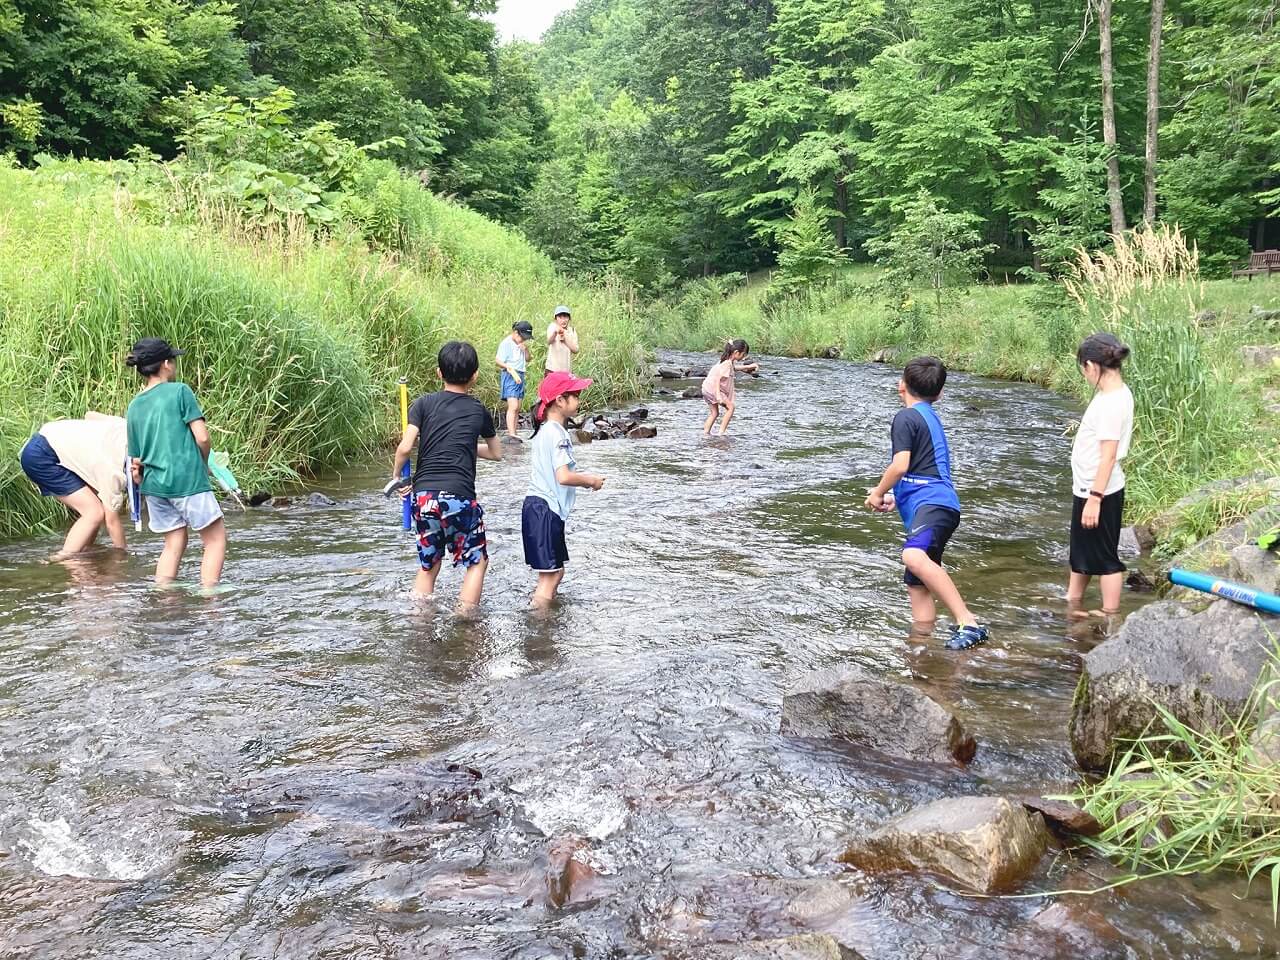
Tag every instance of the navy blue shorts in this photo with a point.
(543, 533)
(931, 528)
(40, 463)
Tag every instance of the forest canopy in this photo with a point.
(663, 140)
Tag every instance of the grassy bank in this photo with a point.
(295, 339)
(1201, 409)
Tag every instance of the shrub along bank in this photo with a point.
(296, 333)
(1203, 412)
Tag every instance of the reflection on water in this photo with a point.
(310, 765)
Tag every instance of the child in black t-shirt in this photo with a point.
(450, 429)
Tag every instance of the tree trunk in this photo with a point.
(1153, 109)
(842, 215)
(1114, 197)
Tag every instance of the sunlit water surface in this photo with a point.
(307, 766)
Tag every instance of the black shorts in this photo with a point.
(1096, 552)
(931, 528)
(543, 534)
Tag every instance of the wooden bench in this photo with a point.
(1263, 263)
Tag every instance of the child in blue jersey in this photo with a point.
(920, 480)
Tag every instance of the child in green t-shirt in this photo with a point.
(169, 448)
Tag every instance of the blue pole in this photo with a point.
(1267, 602)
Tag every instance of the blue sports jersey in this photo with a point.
(928, 477)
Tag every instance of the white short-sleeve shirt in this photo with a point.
(1108, 417)
(550, 450)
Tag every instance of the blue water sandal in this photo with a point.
(970, 635)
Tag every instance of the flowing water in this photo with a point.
(306, 766)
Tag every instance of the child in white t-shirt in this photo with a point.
(553, 484)
(1097, 478)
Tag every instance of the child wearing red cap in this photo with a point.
(554, 483)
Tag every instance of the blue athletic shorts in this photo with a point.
(448, 523)
(543, 534)
(931, 528)
(40, 463)
(512, 389)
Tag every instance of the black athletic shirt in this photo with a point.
(449, 427)
(911, 432)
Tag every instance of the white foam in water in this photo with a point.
(55, 850)
(583, 809)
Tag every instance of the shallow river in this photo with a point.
(304, 766)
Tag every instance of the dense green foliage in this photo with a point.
(686, 133)
(663, 140)
(91, 77)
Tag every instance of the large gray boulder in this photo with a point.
(1215, 554)
(1259, 484)
(846, 703)
(1255, 567)
(1260, 356)
(1202, 667)
(986, 844)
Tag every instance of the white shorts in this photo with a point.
(196, 512)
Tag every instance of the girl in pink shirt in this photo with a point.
(717, 388)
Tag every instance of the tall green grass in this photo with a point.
(1180, 801)
(294, 343)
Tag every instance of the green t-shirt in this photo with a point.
(172, 465)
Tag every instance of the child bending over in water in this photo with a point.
(718, 389)
(554, 483)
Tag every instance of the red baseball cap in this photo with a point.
(557, 384)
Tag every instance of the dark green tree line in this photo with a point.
(740, 112)
(90, 78)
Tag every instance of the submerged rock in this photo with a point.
(893, 718)
(1201, 667)
(568, 878)
(1068, 928)
(805, 946)
(321, 500)
(281, 502)
(259, 498)
(691, 393)
(672, 373)
(986, 844)
(642, 433)
(1138, 581)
